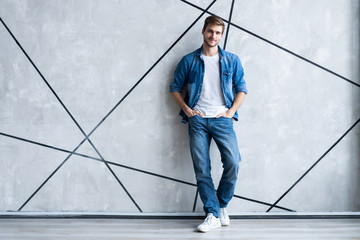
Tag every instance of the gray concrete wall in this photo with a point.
(301, 61)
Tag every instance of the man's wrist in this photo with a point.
(188, 112)
(231, 111)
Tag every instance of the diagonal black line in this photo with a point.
(297, 55)
(282, 196)
(228, 26)
(36, 143)
(263, 203)
(71, 116)
(128, 167)
(276, 45)
(151, 173)
(94, 158)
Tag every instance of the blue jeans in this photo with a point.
(201, 131)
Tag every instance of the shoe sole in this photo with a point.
(225, 224)
(205, 231)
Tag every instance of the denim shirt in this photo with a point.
(190, 73)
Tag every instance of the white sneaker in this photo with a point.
(224, 217)
(211, 222)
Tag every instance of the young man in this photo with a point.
(215, 90)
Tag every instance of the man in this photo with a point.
(215, 90)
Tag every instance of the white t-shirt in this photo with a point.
(211, 101)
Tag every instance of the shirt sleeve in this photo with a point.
(238, 77)
(180, 77)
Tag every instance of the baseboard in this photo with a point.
(121, 215)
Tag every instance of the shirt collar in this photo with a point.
(200, 54)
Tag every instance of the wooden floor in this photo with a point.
(101, 229)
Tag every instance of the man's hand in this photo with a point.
(228, 114)
(236, 104)
(190, 113)
(180, 101)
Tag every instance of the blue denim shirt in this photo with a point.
(190, 73)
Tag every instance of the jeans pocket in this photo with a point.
(194, 123)
(194, 116)
(224, 122)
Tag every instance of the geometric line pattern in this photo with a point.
(300, 57)
(278, 46)
(130, 168)
(77, 124)
(108, 163)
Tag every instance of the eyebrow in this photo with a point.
(210, 30)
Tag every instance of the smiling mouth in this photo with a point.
(211, 42)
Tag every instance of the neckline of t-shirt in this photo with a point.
(214, 56)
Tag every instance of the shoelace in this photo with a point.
(209, 219)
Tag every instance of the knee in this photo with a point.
(202, 176)
(231, 168)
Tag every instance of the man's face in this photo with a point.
(212, 35)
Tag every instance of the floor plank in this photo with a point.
(131, 229)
